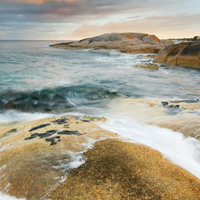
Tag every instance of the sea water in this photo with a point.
(37, 78)
(37, 81)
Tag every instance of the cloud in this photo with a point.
(177, 25)
(36, 2)
(95, 16)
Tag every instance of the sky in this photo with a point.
(77, 19)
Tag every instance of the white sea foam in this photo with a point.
(17, 116)
(7, 197)
(76, 159)
(182, 151)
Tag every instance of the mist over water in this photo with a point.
(37, 78)
(37, 81)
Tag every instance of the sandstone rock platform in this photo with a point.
(53, 157)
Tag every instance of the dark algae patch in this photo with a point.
(66, 132)
(53, 140)
(60, 121)
(38, 127)
(41, 135)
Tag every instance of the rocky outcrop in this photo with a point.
(37, 158)
(120, 170)
(185, 54)
(124, 42)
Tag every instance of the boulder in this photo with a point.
(185, 54)
(124, 42)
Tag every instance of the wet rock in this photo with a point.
(60, 121)
(32, 136)
(185, 101)
(38, 127)
(48, 109)
(164, 103)
(66, 132)
(47, 134)
(53, 140)
(85, 120)
(176, 106)
(173, 106)
(41, 135)
(173, 109)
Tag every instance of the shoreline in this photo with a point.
(82, 133)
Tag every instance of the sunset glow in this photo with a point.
(76, 19)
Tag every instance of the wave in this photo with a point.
(182, 151)
(57, 99)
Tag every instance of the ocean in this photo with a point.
(37, 78)
(37, 81)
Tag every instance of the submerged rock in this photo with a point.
(124, 42)
(185, 54)
(147, 66)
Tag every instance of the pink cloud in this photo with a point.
(174, 26)
(39, 2)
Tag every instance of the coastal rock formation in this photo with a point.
(121, 170)
(43, 159)
(124, 42)
(185, 54)
(35, 158)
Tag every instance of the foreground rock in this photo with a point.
(124, 42)
(35, 159)
(183, 54)
(120, 170)
(44, 159)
